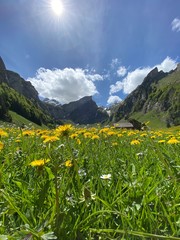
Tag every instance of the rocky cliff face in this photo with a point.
(16, 82)
(2, 65)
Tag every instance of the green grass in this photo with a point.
(19, 121)
(156, 120)
(96, 184)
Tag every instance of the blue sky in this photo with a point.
(102, 48)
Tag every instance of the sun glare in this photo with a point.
(57, 7)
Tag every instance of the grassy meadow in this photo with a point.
(89, 183)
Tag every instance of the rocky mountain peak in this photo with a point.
(2, 65)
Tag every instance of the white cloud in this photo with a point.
(135, 78)
(65, 85)
(121, 72)
(116, 87)
(113, 99)
(167, 65)
(176, 25)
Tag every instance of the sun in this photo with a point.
(57, 7)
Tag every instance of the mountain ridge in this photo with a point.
(158, 94)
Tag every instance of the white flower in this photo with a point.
(106, 176)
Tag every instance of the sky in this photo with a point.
(101, 48)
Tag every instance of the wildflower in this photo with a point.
(106, 176)
(95, 137)
(143, 135)
(153, 137)
(1, 145)
(74, 135)
(39, 163)
(3, 133)
(114, 144)
(173, 141)
(51, 139)
(28, 133)
(68, 163)
(87, 134)
(161, 141)
(135, 142)
(120, 135)
(131, 133)
(78, 141)
(111, 133)
(64, 130)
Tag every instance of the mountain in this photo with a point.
(157, 99)
(20, 96)
(82, 111)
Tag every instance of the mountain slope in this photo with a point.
(157, 99)
(12, 100)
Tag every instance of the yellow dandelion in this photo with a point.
(153, 137)
(64, 130)
(3, 133)
(135, 142)
(28, 133)
(74, 135)
(120, 135)
(95, 137)
(173, 141)
(68, 163)
(51, 139)
(39, 163)
(1, 145)
(87, 135)
(78, 141)
(111, 133)
(161, 141)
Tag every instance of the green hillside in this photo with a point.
(156, 100)
(11, 100)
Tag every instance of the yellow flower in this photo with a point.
(1, 145)
(153, 137)
(68, 163)
(120, 135)
(95, 137)
(173, 141)
(64, 130)
(51, 139)
(161, 141)
(39, 163)
(78, 141)
(74, 135)
(135, 142)
(111, 133)
(87, 134)
(114, 144)
(3, 133)
(28, 133)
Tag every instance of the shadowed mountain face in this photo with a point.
(158, 95)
